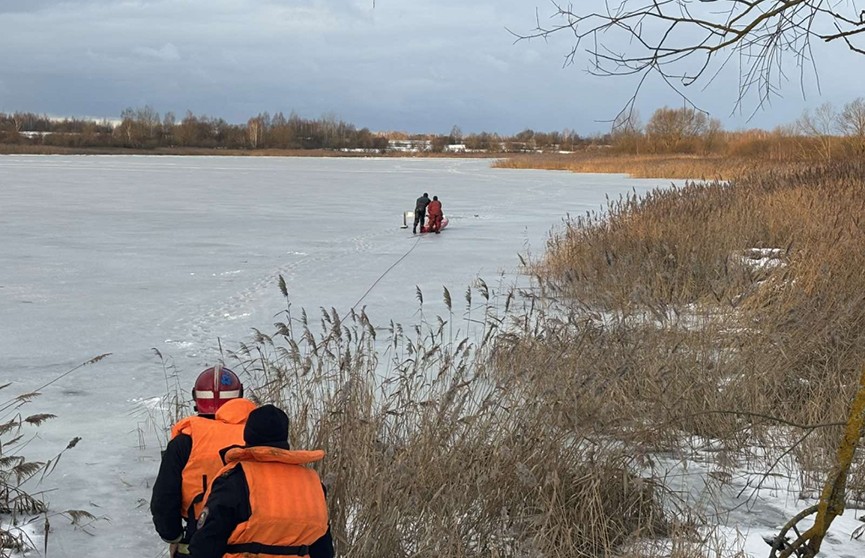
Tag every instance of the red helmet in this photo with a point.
(214, 387)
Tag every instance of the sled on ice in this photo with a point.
(408, 220)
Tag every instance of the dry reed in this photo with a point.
(742, 155)
(19, 504)
(738, 308)
(719, 321)
(433, 450)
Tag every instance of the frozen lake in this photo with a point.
(122, 254)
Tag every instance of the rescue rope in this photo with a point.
(380, 277)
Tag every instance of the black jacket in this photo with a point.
(420, 205)
(227, 506)
(167, 499)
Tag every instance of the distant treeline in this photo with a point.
(144, 128)
(824, 133)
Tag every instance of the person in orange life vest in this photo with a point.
(191, 459)
(265, 501)
(434, 209)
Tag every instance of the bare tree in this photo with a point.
(677, 130)
(255, 131)
(18, 120)
(187, 133)
(456, 135)
(627, 132)
(684, 41)
(149, 120)
(127, 130)
(821, 124)
(628, 123)
(851, 121)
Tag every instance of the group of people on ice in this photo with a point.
(229, 485)
(424, 207)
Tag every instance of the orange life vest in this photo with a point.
(286, 499)
(208, 437)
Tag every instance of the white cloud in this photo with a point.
(167, 52)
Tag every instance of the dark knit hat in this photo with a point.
(266, 426)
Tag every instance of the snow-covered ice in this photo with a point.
(117, 254)
(123, 254)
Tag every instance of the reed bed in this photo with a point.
(690, 167)
(740, 307)
(671, 166)
(23, 510)
(717, 322)
(722, 320)
(434, 449)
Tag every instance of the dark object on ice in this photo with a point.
(420, 211)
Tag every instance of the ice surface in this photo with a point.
(122, 254)
(117, 254)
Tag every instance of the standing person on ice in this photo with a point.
(435, 215)
(420, 212)
(265, 501)
(191, 459)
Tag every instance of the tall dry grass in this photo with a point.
(736, 154)
(705, 336)
(23, 510)
(158, 415)
(695, 167)
(720, 322)
(431, 450)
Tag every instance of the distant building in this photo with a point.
(409, 145)
(32, 135)
(370, 150)
(456, 148)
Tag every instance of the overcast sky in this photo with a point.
(412, 65)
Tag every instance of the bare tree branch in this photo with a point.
(688, 41)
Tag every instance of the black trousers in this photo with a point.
(418, 218)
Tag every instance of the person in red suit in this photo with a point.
(434, 212)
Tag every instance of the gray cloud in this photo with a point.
(414, 65)
(167, 52)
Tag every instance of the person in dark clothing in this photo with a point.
(435, 215)
(265, 501)
(420, 212)
(191, 458)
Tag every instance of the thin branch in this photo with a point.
(679, 40)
